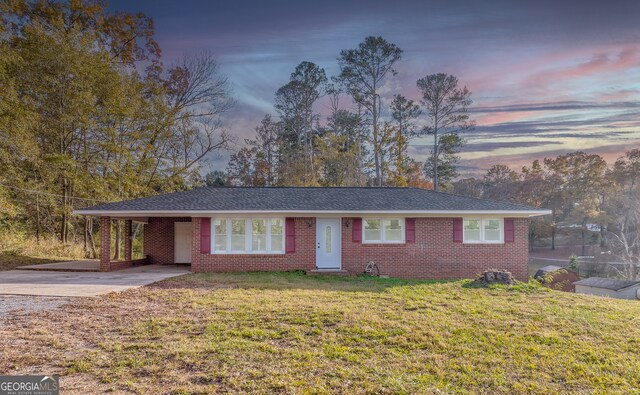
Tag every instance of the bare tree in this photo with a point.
(363, 71)
(624, 238)
(197, 95)
(445, 106)
(197, 88)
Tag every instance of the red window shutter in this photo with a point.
(205, 235)
(356, 230)
(410, 230)
(509, 230)
(290, 235)
(457, 230)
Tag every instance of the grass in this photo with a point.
(291, 333)
(18, 249)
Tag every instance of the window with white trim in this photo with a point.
(483, 230)
(383, 230)
(247, 236)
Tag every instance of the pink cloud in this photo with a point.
(607, 62)
(539, 72)
(503, 117)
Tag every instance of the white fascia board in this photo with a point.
(314, 213)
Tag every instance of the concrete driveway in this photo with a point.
(70, 284)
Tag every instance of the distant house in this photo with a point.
(407, 232)
(619, 289)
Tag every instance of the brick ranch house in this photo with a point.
(407, 232)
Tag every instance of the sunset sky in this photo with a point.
(547, 77)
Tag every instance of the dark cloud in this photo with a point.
(557, 106)
(487, 146)
(599, 127)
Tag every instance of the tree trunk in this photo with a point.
(94, 252)
(376, 148)
(583, 235)
(531, 235)
(435, 155)
(376, 157)
(85, 237)
(38, 219)
(63, 225)
(553, 229)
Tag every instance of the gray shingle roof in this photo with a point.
(607, 283)
(308, 199)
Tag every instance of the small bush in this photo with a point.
(573, 262)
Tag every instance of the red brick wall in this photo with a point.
(158, 239)
(435, 255)
(303, 258)
(105, 244)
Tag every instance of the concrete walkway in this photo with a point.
(87, 265)
(69, 284)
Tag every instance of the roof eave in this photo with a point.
(309, 213)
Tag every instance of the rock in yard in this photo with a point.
(495, 277)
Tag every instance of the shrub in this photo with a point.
(573, 262)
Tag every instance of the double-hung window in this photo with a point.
(483, 230)
(383, 230)
(248, 236)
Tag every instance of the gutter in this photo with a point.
(311, 213)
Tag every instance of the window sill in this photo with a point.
(248, 253)
(380, 243)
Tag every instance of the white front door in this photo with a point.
(328, 253)
(182, 242)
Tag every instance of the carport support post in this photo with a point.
(128, 242)
(105, 244)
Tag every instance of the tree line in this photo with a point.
(89, 113)
(364, 139)
(583, 192)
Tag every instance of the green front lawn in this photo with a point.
(291, 333)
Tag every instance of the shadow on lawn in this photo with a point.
(10, 260)
(287, 280)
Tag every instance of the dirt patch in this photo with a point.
(12, 305)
